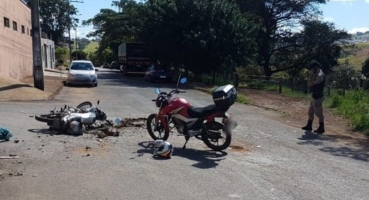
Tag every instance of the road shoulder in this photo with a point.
(24, 90)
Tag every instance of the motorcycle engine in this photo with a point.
(179, 125)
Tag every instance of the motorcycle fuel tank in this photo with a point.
(176, 105)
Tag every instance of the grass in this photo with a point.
(355, 106)
(91, 47)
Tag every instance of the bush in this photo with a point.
(336, 102)
(61, 54)
(344, 77)
(79, 55)
(355, 106)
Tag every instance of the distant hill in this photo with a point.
(91, 47)
(360, 37)
(356, 55)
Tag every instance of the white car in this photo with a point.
(82, 72)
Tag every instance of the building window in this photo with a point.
(23, 29)
(15, 26)
(6, 22)
(27, 31)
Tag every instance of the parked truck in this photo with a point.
(133, 58)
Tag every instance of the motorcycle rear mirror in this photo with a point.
(157, 91)
(183, 80)
(98, 102)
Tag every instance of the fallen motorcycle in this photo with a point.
(198, 122)
(73, 119)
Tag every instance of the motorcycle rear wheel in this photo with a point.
(212, 134)
(150, 123)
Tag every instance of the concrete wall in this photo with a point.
(15, 45)
(48, 53)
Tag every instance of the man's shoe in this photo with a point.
(308, 126)
(320, 129)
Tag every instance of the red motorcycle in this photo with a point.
(198, 122)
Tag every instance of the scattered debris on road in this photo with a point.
(132, 122)
(16, 174)
(108, 128)
(11, 156)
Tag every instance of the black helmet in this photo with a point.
(314, 64)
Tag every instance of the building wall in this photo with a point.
(48, 53)
(15, 42)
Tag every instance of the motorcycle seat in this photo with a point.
(201, 112)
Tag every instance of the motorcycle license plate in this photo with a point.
(162, 76)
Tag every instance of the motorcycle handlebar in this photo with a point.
(176, 91)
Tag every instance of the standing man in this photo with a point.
(316, 83)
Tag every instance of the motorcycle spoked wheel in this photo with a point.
(49, 118)
(213, 134)
(150, 125)
(85, 105)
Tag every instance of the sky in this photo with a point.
(350, 15)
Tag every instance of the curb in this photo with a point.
(56, 71)
(56, 92)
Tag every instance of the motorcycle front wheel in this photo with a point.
(45, 118)
(215, 133)
(85, 105)
(150, 124)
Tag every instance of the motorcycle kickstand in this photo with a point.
(187, 138)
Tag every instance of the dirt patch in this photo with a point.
(102, 149)
(237, 148)
(294, 112)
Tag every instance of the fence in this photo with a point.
(279, 84)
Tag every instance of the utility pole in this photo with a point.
(38, 72)
(76, 42)
(69, 29)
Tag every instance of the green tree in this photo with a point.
(319, 41)
(56, 18)
(113, 28)
(206, 36)
(61, 54)
(278, 19)
(344, 77)
(365, 68)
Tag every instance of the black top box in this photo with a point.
(225, 96)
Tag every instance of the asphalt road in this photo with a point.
(267, 160)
